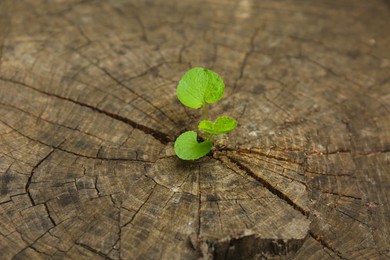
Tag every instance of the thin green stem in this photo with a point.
(205, 112)
(210, 138)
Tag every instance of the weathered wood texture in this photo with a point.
(88, 114)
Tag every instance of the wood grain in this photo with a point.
(89, 114)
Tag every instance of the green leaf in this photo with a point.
(222, 125)
(188, 148)
(199, 86)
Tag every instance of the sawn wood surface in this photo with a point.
(89, 114)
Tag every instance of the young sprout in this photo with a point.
(197, 88)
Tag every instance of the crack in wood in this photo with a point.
(353, 153)
(331, 175)
(219, 214)
(112, 77)
(328, 64)
(38, 251)
(199, 206)
(160, 136)
(53, 123)
(79, 29)
(96, 187)
(267, 155)
(136, 15)
(326, 244)
(116, 245)
(48, 214)
(29, 180)
(257, 151)
(140, 207)
(57, 147)
(93, 250)
(335, 193)
(246, 214)
(245, 60)
(38, 238)
(158, 183)
(266, 184)
(352, 217)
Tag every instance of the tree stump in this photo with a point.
(89, 114)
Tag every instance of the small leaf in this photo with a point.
(199, 86)
(188, 148)
(222, 125)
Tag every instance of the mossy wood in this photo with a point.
(89, 114)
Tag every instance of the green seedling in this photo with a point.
(197, 88)
(188, 148)
(222, 125)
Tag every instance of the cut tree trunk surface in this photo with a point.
(89, 114)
